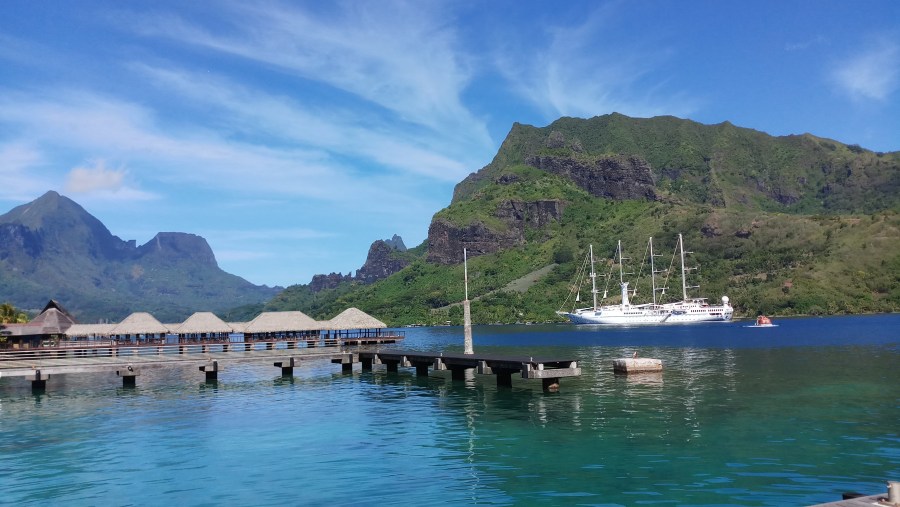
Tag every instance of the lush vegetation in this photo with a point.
(9, 314)
(784, 226)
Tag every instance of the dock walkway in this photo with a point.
(127, 361)
(548, 370)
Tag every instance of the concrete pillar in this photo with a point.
(504, 378)
(129, 375)
(211, 369)
(38, 381)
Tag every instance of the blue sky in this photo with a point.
(293, 134)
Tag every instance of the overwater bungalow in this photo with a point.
(281, 325)
(203, 327)
(47, 329)
(89, 332)
(139, 327)
(354, 325)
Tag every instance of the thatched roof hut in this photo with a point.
(353, 318)
(282, 322)
(50, 321)
(139, 323)
(203, 322)
(84, 330)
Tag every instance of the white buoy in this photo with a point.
(636, 365)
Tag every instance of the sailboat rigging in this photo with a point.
(688, 310)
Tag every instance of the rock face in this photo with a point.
(619, 178)
(179, 246)
(447, 241)
(329, 281)
(381, 262)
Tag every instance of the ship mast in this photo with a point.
(683, 276)
(622, 281)
(593, 278)
(652, 272)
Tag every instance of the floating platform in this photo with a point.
(637, 365)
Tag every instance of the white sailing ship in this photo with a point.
(688, 310)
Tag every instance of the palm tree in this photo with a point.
(9, 314)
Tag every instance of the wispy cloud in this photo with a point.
(400, 56)
(873, 73)
(336, 130)
(19, 180)
(805, 44)
(584, 70)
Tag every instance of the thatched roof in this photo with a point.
(90, 329)
(238, 326)
(275, 322)
(353, 318)
(202, 322)
(50, 321)
(139, 323)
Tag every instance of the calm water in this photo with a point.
(792, 415)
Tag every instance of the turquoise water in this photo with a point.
(792, 415)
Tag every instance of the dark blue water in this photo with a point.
(792, 415)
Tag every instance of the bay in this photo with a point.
(792, 415)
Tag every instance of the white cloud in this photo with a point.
(400, 56)
(336, 131)
(873, 73)
(19, 179)
(97, 177)
(102, 183)
(585, 70)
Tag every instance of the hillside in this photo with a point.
(782, 225)
(52, 248)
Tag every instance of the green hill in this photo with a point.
(782, 225)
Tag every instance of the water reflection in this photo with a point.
(721, 425)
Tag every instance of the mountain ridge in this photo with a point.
(788, 225)
(53, 248)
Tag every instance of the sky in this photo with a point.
(293, 134)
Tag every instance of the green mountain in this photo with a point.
(782, 225)
(52, 248)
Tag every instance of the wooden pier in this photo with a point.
(37, 365)
(548, 370)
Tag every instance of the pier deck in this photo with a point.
(127, 362)
(548, 370)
